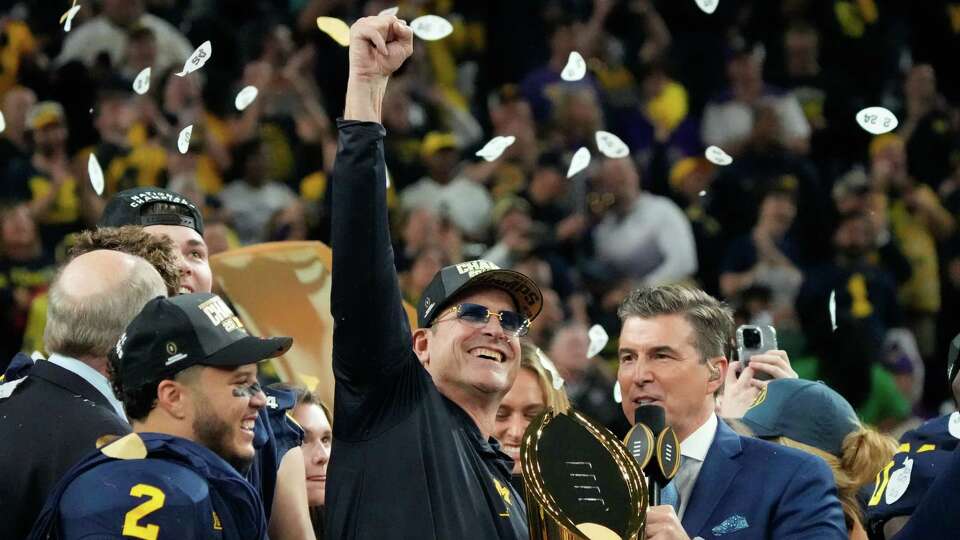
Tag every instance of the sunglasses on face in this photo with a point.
(478, 316)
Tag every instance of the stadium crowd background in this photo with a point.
(811, 205)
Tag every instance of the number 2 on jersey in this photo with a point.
(131, 526)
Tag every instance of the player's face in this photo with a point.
(659, 365)
(225, 412)
(195, 274)
(519, 407)
(317, 438)
(464, 359)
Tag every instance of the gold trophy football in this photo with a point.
(580, 482)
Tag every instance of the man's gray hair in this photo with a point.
(90, 325)
(711, 319)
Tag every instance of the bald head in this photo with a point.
(101, 271)
(93, 299)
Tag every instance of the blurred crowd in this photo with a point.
(846, 243)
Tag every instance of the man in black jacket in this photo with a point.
(412, 454)
(53, 417)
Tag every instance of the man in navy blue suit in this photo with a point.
(673, 354)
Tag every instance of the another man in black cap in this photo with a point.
(412, 454)
(162, 212)
(186, 372)
(277, 473)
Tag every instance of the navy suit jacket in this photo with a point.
(753, 489)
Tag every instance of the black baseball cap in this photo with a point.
(172, 334)
(809, 412)
(456, 278)
(127, 208)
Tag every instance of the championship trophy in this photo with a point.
(580, 481)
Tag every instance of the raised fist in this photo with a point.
(378, 46)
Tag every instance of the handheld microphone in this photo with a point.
(655, 447)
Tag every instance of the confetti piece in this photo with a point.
(495, 147)
(580, 161)
(598, 340)
(245, 97)
(617, 395)
(717, 156)
(611, 146)
(557, 380)
(877, 120)
(832, 306)
(703, 193)
(67, 18)
(708, 6)
(197, 59)
(142, 83)
(183, 140)
(575, 69)
(953, 426)
(95, 173)
(335, 28)
(390, 11)
(3, 122)
(431, 27)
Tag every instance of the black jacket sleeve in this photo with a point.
(371, 336)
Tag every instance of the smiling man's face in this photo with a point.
(463, 358)
(195, 273)
(660, 365)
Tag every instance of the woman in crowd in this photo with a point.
(537, 387)
(315, 419)
(812, 417)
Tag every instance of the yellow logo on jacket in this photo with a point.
(504, 492)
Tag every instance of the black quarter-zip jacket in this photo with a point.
(406, 461)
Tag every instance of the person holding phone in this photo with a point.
(673, 353)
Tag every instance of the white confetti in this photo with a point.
(95, 173)
(617, 395)
(598, 340)
(67, 18)
(197, 59)
(575, 69)
(832, 306)
(245, 97)
(708, 6)
(3, 122)
(580, 161)
(336, 29)
(431, 27)
(390, 11)
(877, 120)
(717, 156)
(610, 145)
(703, 193)
(141, 84)
(495, 147)
(953, 426)
(6, 389)
(547, 364)
(183, 140)
(899, 482)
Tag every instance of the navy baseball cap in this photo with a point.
(172, 334)
(128, 208)
(456, 278)
(809, 412)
